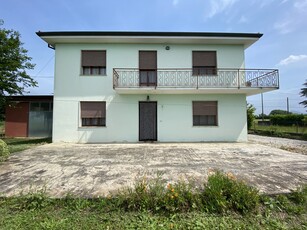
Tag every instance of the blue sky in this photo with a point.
(283, 23)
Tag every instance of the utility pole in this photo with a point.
(262, 107)
(288, 105)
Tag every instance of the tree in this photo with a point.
(14, 62)
(303, 93)
(250, 115)
(278, 112)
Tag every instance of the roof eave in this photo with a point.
(54, 38)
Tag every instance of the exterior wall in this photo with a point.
(174, 111)
(16, 121)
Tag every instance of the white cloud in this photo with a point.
(301, 5)
(292, 59)
(175, 2)
(284, 27)
(243, 19)
(218, 6)
(294, 19)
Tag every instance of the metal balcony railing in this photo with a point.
(195, 78)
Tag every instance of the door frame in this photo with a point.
(156, 136)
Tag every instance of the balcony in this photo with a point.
(195, 81)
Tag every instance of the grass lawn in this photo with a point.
(20, 144)
(283, 129)
(65, 218)
(43, 213)
(293, 132)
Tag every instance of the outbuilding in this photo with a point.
(29, 116)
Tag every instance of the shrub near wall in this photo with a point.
(4, 151)
(287, 120)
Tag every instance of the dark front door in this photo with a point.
(148, 121)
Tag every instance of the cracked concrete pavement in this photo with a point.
(96, 169)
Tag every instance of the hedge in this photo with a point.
(287, 120)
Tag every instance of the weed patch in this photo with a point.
(4, 151)
(221, 203)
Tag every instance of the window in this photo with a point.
(93, 113)
(204, 113)
(204, 63)
(148, 68)
(41, 106)
(93, 62)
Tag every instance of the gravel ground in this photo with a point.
(290, 145)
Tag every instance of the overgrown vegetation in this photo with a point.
(221, 203)
(4, 151)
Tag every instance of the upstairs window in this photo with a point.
(204, 113)
(93, 62)
(204, 63)
(148, 68)
(93, 113)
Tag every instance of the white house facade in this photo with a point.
(153, 86)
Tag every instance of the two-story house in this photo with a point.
(153, 86)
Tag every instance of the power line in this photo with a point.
(41, 76)
(45, 65)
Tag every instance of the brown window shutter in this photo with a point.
(94, 58)
(204, 108)
(148, 60)
(204, 58)
(93, 109)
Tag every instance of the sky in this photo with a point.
(283, 23)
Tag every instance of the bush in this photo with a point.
(250, 115)
(287, 120)
(4, 151)
(223, 193)
(154, 195)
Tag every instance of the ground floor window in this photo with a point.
(204, 113)
(93, 113)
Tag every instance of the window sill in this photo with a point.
(91, 127)
(205, 126)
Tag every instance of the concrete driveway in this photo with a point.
(96, 169)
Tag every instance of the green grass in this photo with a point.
(120, 211)
(20, 144)
(293, 132)
(283, 129)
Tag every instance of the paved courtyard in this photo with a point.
(96, 169)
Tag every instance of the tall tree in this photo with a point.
(14, 62)
(303, 93)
